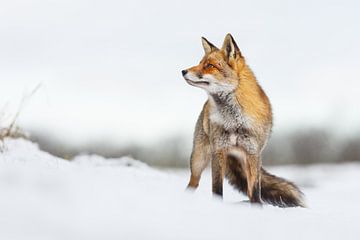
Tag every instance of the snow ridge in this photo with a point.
(90, 197)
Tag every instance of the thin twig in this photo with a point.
(8, 131)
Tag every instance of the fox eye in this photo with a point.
(209, 65)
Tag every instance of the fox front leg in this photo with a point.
(217, 172)
(200, 158)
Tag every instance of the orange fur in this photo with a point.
(252, 98)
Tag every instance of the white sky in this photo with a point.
(111, 69)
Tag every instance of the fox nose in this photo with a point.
(184, 72)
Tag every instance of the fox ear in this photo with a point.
(208, 46)
(230, 48)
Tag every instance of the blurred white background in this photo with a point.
(111, 69)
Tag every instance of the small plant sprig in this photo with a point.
(12, 130)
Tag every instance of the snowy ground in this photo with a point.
(44, 197)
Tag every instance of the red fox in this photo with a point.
(233, 128)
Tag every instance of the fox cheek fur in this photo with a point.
(210, 81)
(233, 128)
(215, 72)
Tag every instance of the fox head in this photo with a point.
(218, 71)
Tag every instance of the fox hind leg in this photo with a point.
(252, 170)
(248, 169)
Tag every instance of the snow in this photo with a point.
(45, 197)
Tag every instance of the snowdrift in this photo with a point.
(45, 197)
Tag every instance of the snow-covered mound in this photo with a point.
(45, 197)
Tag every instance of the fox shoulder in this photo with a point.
(252, 98)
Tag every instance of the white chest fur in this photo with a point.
(226, 112)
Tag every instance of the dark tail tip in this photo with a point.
(280, 192)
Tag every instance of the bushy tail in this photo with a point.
(274, 190)
(280, 192)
